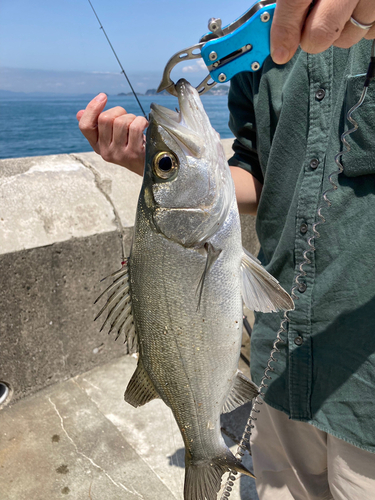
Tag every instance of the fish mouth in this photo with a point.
(189, 125)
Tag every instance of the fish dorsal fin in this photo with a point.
(140, 389)
(243, 391)
(119, 307)
(261, 291)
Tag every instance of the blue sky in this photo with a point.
(48, 45)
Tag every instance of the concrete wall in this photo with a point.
(63, 221)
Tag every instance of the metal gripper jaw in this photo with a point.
(241, 46)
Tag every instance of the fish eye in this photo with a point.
(165, 165)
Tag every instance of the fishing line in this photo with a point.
(118, 60)
(245, 439)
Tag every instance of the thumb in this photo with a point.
(287, 27)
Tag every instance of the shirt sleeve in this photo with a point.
(242, 124)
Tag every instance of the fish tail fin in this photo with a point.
(203, 480)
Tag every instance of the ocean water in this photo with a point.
(33, 126)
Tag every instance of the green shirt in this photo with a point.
(288, 121)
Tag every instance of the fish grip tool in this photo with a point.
(244, 444)
(241, 46)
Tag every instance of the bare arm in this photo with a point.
(248, 190)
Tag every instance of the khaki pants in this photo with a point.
(295, 461)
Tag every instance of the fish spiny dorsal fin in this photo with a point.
(140, 389)
(119, 308)
(243, 391)
(261, 291)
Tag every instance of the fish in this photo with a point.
(179, 297)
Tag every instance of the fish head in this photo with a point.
(187, 183)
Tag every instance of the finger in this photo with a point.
(349, 36)
(370, 35)
(127, 147)
(105, 125)
(325, 24)
(88, 123)
(136, 139)
(287, 27)
(79, 114)
(121, 129)
(365, 13)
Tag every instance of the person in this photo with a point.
(314, 437)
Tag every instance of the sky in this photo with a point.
(57, 45)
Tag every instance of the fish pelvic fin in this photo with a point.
(243, 390)
(140, 389)
(260, 290)
(203, 480)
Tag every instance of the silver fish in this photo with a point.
(179, 297)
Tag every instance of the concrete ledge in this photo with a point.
(49, 199)
(64, 220)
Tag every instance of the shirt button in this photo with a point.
(303, 228)
(302, 287)
(298, 340)
(320, 94)
(314, 163)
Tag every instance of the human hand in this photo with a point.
(114, 134)
(327, 24)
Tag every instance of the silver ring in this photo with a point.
(360, 25)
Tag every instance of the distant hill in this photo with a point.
(129, 93)
(217, 90)
(10, 94)
(154, 92)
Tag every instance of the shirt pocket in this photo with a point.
(360, 160)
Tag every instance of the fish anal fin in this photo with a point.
(243, 391)
(260, 290)
(140, 389)
(203, 480)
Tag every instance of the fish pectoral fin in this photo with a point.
(243, 391)
(203, 480)
(212, 255)
(140, 389)
(261, 291)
